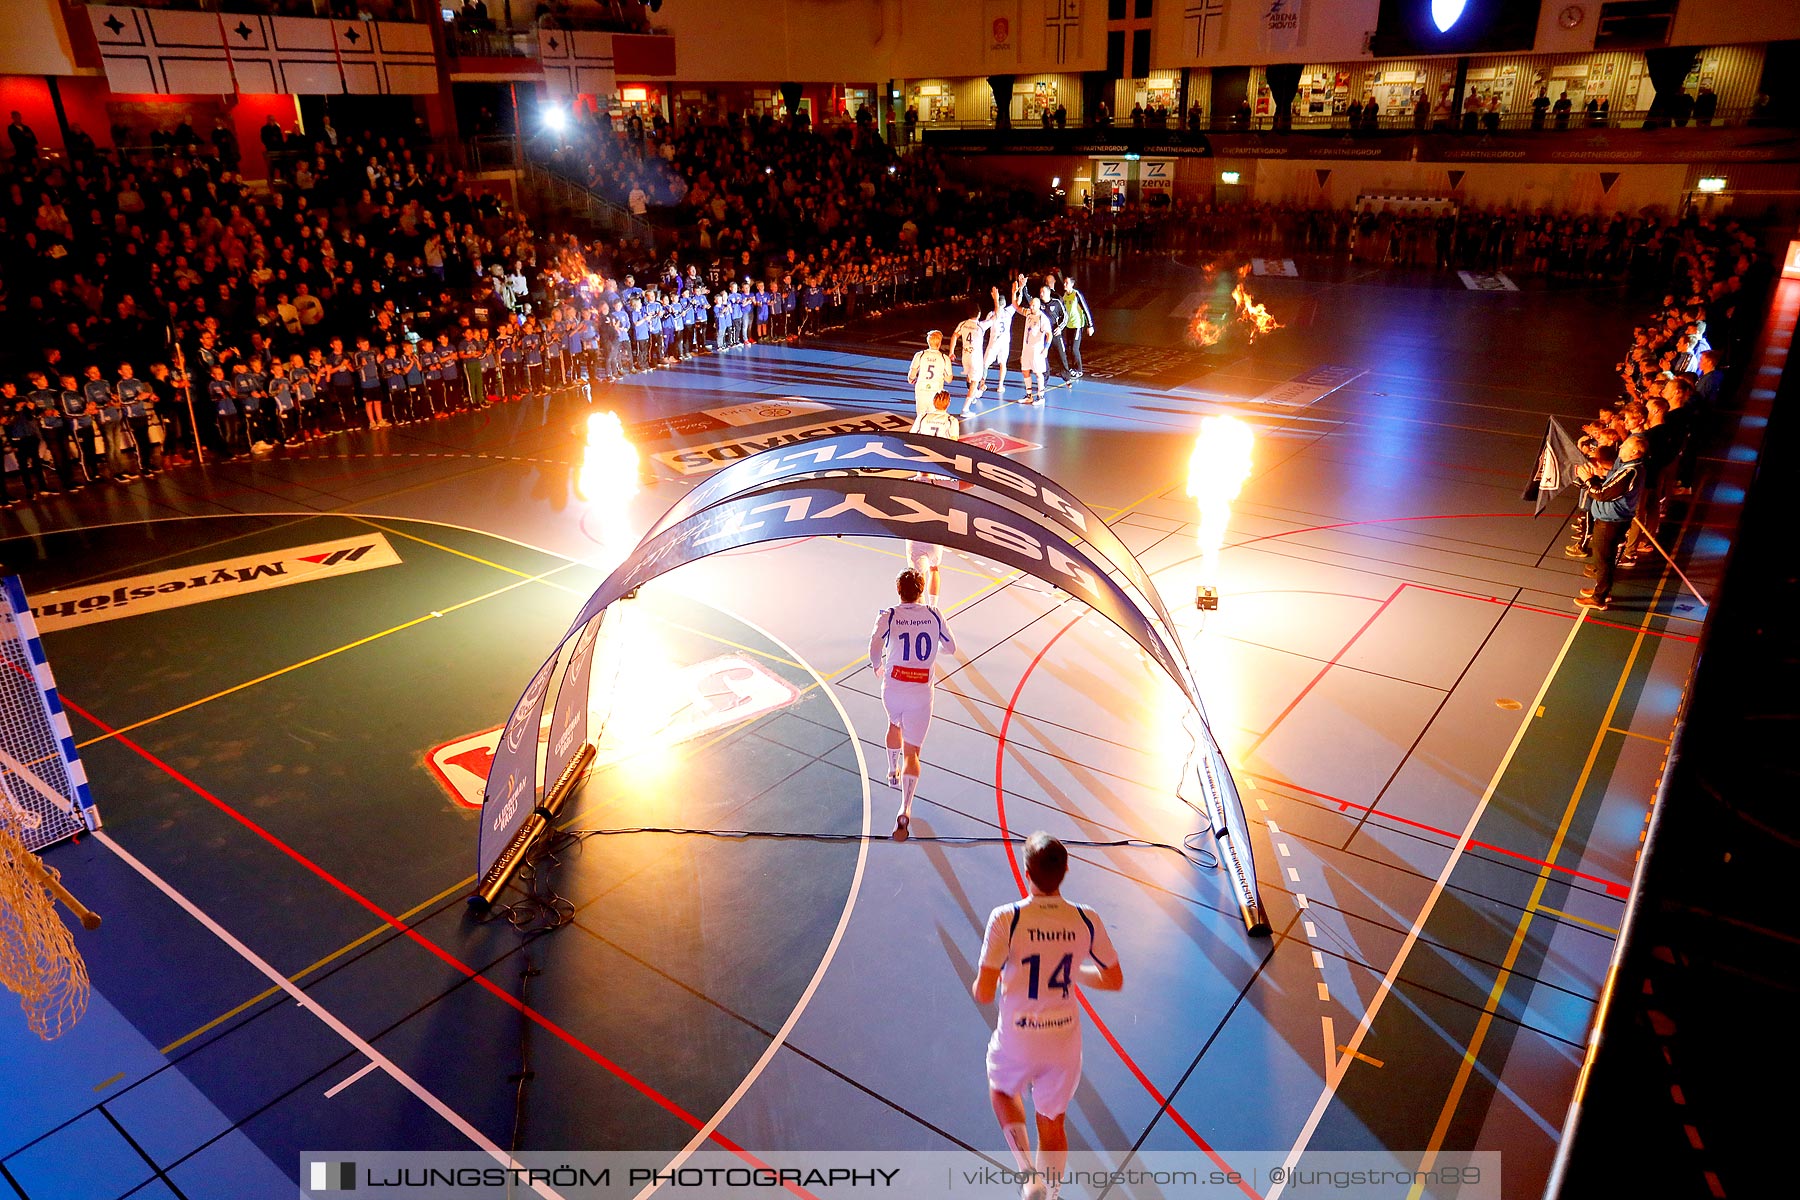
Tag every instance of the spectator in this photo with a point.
(1613, 482)
(1683, 108)
(1706, 388)
(24, 140)
(1562, 108)
(1540, 108)
(226, 144)
(1706, 105)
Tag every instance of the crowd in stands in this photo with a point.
(128, 275)
(1559, 245)
(1640, 452)
(368, 283)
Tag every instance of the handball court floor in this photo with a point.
(1447, 768)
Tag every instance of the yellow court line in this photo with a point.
(413, 537)
(466, 882)
(1132, 507)
(1532, 906)
(303, 972)
(1569, 916)
(1633, 733)
(320, 657)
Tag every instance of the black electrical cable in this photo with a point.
(541, 910)
(1199, 858)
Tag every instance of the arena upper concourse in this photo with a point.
(348, 353)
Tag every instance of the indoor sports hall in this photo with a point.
(1446, 767)
(620, 600)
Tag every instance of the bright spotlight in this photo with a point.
(555, 120)
(1445, 13)
(1229, 176)
(1056, 181)
(1712, 183)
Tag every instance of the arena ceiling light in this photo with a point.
(1445, 13)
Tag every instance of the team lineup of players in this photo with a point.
(1053, 317)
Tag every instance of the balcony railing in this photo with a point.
(493, 39)
(1385, 123)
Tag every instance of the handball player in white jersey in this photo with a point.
(971, 335)
(903, 649)
(930, 371)
(1033, 954)
(1000, 327)
(927, 557)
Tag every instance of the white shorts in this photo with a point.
(908, 705)
(974, 368)
(925, 401)
(924, 554)
(999, 352)
(1049, 1067)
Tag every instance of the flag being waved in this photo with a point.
(1555, 470)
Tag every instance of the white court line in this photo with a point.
(705, 1132)
(376, 1057)
(1336, 1076)
(366, 1068)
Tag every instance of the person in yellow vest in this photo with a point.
(1078, 319)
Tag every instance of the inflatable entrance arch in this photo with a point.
(864, 485)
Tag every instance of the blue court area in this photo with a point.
(1445, 764)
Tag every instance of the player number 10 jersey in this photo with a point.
(914, 634)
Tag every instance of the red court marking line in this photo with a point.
(1373, 521)
(1551, 612)
(1618, 890)
(1012, 860)
(1679, 637)
(1323, 671)
(626, 1077)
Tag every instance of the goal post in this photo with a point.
(43, 786)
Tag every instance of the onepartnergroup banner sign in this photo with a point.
(869, 483)
(912, 1175)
